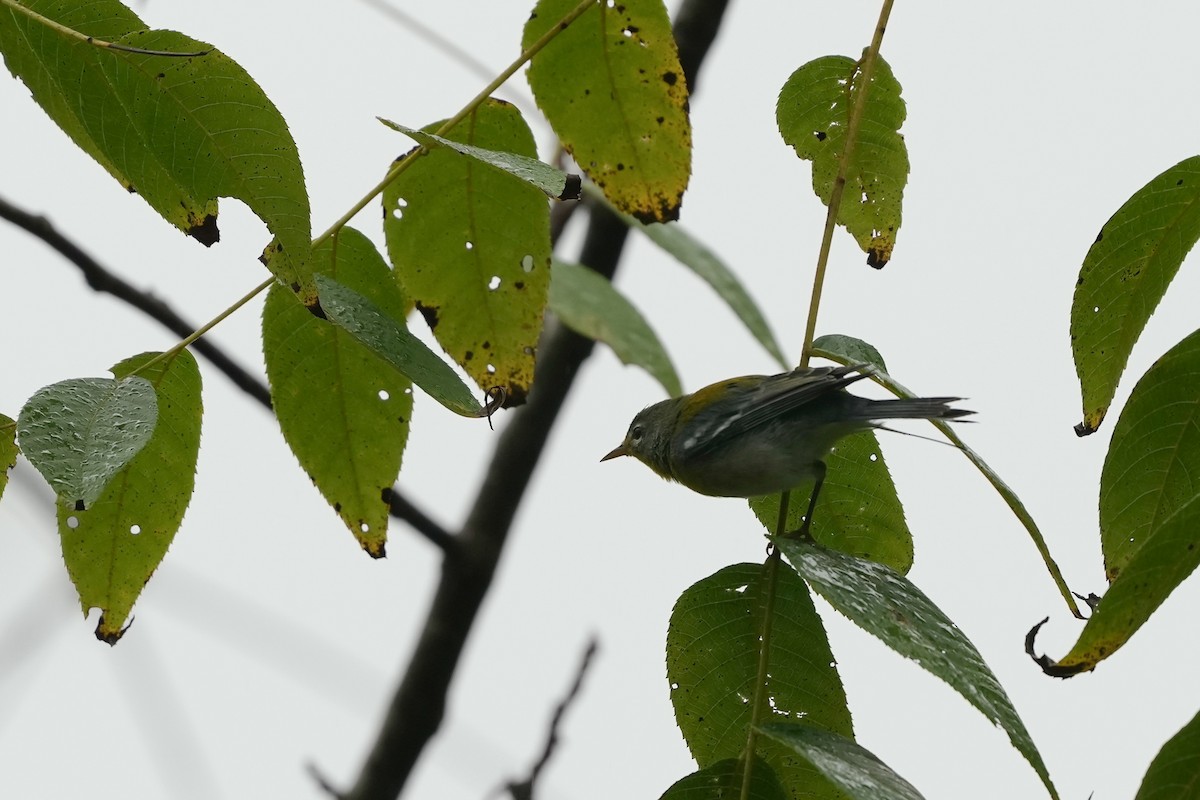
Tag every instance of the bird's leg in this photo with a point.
(804, 532)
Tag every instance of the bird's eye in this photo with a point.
(635, 433)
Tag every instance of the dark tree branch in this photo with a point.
(418, 705)
(105, 281)
(523, 790)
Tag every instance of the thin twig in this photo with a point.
(523, 790)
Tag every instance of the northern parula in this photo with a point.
(763, 434)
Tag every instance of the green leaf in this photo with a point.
(540, 175)
(612, 88)
(1149, 504)
(1124, 276)
(847, 350)
(884, 603)
(851, 767)
(708, 266)
(1174, 774)
(81, 432)
(813, 114)
(712, 665)
(344, 412)
(112, 548)
(591, 306)
(370, 325)
(8, 449)
(471, 245)
(180, 132)
(858, 511)
(723, 781)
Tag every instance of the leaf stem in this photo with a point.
(466, 110)
(92, 40)
(206, 327)
(866, 71)
(767, 593)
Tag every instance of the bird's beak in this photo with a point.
(619, 450)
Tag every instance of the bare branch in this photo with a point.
(523, 790)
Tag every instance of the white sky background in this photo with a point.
(268, 639)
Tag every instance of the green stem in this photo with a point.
(760, 705)
(449, 124)
(866, 71)
(92, 40)
(203, 329)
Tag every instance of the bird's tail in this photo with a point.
(915, 408)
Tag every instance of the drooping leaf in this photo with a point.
(712, 665)
(471, 246)
(180, 132)
(813, 114)
(8, 449)
(612, 88)
(1124, 276)
(1174, 774)
(858, 511)
(113, 547)
(1149, 504)
(708, 266)
(81, 432)
(372, 326)
(343, 410)
(723, 781)
(887, 605)
(553, 182)
(849, 350)
(592, 307)
(847, 764)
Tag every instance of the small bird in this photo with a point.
(763, 434)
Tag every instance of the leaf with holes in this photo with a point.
(847, 764)
(471, 247)
(723, 781)
(344, 412)
(858, 510)
(552, 182)
(1124, 276)
(612, 88)
(81, 432)
(886, 604)
(591, 306)
(180, 132)
(813, 114)
(8, 449)
(712, 665)
(384, 336)
(113, 547)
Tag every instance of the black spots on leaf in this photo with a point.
(519, 285)
(514, 396)
(386, 495)
(467, 356)
(821, 135)
(205, 232)
(670, 78)
(430, 313)
(375, 550)
(659, 120)
(1179, 182)
(79, 505)
(877, 258)
(337, 507)
(1099, 236)
(620, 167)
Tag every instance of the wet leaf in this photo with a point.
(723, 781)
(887, 605)
(848, 765)
(113, 547)
(81, 432)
